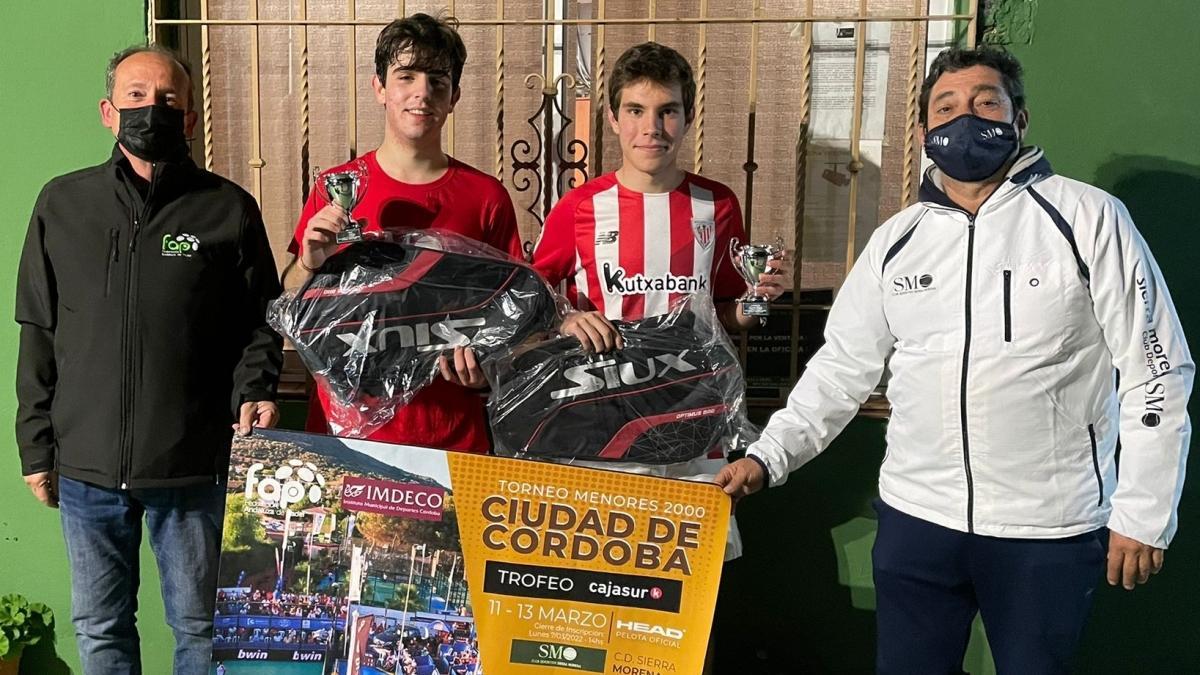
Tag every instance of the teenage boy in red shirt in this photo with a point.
(412, 183)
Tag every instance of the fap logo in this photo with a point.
(295, 483)
(181, 246)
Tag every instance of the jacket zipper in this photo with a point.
(1008, 305)
(1096, 464)
(127, 335)
(114, 247)
(971, 218)
(963, 388)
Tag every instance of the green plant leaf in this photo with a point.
(23, 623)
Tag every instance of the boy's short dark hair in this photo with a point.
(956, 58)
(434, 45)
(657, 63)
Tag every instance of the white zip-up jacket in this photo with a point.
(1019, 345)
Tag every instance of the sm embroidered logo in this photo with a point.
(912, 283)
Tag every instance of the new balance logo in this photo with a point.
(419, 335)
(615, 281)
(608, 374)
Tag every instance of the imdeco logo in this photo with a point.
(392, 499)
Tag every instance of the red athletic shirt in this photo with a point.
(628, 254)
(468, 202)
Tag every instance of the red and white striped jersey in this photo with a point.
(629, 254)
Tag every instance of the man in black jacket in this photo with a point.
(141, 297)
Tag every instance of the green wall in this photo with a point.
(1114, 97)
(1113, 93)
(52, 59)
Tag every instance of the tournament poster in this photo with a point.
(363, 558)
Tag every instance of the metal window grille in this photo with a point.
(285, 85)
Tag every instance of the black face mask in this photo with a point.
(153, 133)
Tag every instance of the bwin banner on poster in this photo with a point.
(360, 558)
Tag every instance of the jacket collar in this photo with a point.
(120, 162)
(169, 177)
(1031, 165)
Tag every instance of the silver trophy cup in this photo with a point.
(346, 189)
(751, 260)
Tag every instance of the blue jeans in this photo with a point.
(103, 531)
(1034, 596)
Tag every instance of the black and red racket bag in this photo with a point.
(373, 321)
(674, 393)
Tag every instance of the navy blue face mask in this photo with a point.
(970, 148)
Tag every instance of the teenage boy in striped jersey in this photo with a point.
(630, 242)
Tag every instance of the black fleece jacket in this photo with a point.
(143, 325)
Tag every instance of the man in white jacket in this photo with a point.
(1025, 327)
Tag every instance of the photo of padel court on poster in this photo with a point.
(353, 557)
